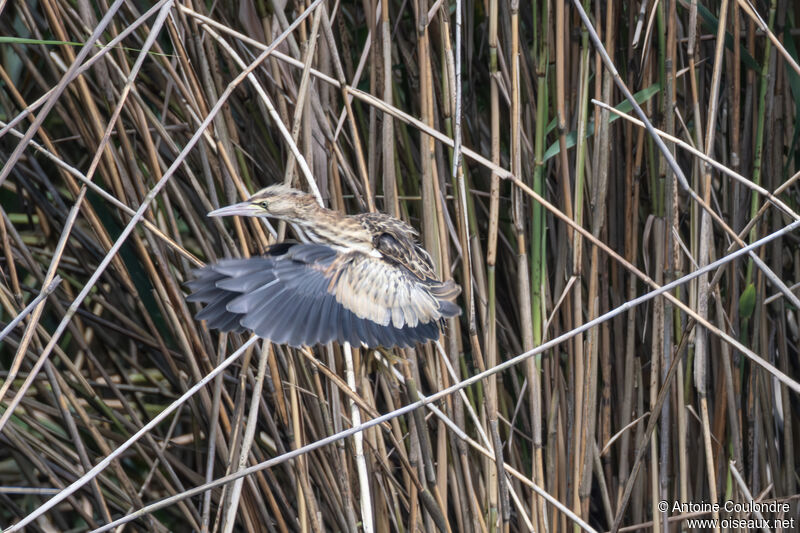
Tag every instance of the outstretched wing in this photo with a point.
(305, 294)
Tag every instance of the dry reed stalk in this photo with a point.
(133, 145)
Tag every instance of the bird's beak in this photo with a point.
(243, 209)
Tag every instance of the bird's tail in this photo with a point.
(446, 292)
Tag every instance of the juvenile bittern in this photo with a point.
(362, 279)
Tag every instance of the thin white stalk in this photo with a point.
(359, 69)
(99, 272)
(102, 465)
(105, 48)
(75, 209)
(302, 92)
(748, 496)
(358, 440)
(487, 449)
(273, 113)
(212, 438)
(88, 47)
(80, 176)
(673, 163)
(753, 14)
(776, 373)
(487, 444)
(742, 180)
(25, 312)
(249, 433)
(79, 299)
(773, 278)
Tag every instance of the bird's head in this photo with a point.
(276, 201)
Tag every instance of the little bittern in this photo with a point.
(362, 279)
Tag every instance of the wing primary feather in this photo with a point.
(325, 332)
(308, 326)
(231, 323)
(428, 331)
(420, 333)
(287, 324)
(385, 335)
(214, 308)
(247, 302)
(247, 282)
(202, 276)
(203, 289)
(360, 331)
(334, 321)
(345, 326)
(260, 318)
(204, 295)
(277, 320)
(374, 333)
(355, 337)
(236, 268)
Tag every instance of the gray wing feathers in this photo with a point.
(288, 298)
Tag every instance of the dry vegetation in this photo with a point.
(485, 125)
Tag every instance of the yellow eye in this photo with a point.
(263, 204)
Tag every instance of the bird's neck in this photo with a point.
(326, 226)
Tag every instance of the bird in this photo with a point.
(361, 279)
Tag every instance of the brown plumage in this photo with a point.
(362, 279)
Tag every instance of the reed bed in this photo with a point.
(613, 184)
